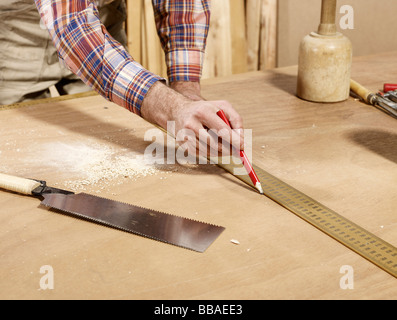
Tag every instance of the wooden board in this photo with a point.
(343, 155)
(134, 28)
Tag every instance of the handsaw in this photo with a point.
(160, 226)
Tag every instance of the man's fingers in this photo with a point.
(208, 142)
(234, 118)
(200, 117)
(236, 123)
(218, 143)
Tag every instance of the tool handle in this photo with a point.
(389, 87)
(361, 91)
(16, 184)
(327, 26)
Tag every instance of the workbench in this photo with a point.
(344, 155)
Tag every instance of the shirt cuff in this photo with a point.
(130, 86)
(184, 65)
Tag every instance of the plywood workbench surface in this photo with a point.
(343, 155)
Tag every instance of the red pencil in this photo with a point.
(247, 165)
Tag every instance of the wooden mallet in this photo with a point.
(325, 59)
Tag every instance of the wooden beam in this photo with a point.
(155, 55)
(134, 28)
(253, 23)
(268, 35)
(218, 61)
(238, 36)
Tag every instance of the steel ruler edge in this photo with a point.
(356, 238)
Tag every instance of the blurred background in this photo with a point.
(250, 35)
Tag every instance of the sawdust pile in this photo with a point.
(96, 164)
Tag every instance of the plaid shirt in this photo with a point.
(88, 50)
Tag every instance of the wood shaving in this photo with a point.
(96, 164)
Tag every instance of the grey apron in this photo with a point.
(29, 64)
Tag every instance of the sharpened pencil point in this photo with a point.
(259, 187)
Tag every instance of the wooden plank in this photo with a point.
(134, 28)
(210, 52)
(219, 44)
(155, 55)
(238, 35)
(268, 35)
(253, 18)
(144, 47)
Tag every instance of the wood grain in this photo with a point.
(238, 35)
(268, 37)
(253, 14)
(218, 58)
(134, 28)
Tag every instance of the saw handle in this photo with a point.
(17, 184)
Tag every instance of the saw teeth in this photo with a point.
(107, 224)
(152, 210)
(198, 244)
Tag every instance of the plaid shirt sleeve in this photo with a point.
(88, 50)
(183, 28)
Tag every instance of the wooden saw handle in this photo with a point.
(16, 184)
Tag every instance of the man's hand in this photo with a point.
(195, 121)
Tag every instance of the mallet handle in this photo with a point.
(327, 26)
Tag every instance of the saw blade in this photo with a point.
(164, 227)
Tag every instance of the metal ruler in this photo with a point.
(361, 241)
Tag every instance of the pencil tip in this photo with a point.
(259, 187)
